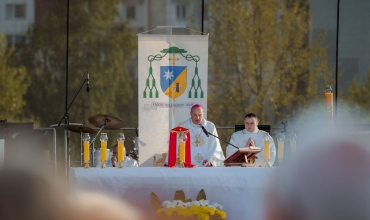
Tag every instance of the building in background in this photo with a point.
(145, 15)
(17, 16)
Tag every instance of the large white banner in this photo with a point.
(173, 75)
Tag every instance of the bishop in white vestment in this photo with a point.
(204, 148)
(205, 151)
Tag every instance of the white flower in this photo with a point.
(218, 206)
(165, 203)
(178, 203)
(204, 202)
(211, 206)
(196, 203)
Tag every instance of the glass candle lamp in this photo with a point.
(103, 149)
(120, 149)
(181, 138)
(329, 105)
(293, 143)
(86, 144)
(280, 139)
(266, 149)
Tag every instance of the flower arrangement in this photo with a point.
(185, 209)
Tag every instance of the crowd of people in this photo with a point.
(328, 179)
(29, 196)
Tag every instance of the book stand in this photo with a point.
(242, 157)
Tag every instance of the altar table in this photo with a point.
(240, 190)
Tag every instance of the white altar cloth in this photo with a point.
(240, 190)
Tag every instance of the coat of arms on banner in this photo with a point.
(173, 79)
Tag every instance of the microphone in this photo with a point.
(204, 130)
(88, 82)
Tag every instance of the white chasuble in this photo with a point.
(240, 139)
(199, 149)
(203, 147)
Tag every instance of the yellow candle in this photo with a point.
(182, 151)
(293, 146)
(280, 150)
(329, 99)
(103, 151)
(266, 150)
(120, 151)
(86, 152)
(123, 152)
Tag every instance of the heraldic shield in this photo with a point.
(173, 80)
(179, 150)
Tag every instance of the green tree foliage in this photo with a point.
(263, 60)
(13, 83)
(354, 106)
(100, 42)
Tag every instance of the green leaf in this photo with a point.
(156, 203)
(179, 195)
(201, 195)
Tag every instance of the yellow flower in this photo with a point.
(198, 210)
(159, 211)
(203, 216)
(221, 213)
(211, 211)
(169, 211)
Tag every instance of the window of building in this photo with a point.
(15, 11)
(9, 40)
(130, 12)
(15, 39)
(19, 39)
(181, 12)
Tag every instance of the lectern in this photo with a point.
(242, 157)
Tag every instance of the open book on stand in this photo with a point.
(242, 156)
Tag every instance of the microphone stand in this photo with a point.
(222, 140)
(66, 132)
(91, 144)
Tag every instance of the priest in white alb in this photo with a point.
(251, 136)
(205, 149)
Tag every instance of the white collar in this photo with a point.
(247, 132)
(197, 126)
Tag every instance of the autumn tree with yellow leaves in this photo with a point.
(13, 83)
(264, 59)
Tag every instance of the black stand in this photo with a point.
(222, 140)
(284, 124)
(93, 141)
(66, 123)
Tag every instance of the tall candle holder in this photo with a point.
(293, 143)
(181, 151)
(266, 149)
(280, 138)
(86, 143)
(329, 106)
(103, 149)
(121, 149)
